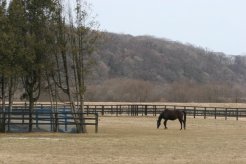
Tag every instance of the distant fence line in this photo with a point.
(145, 110)
(153, 110)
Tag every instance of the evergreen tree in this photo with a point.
(3, 55)
(38, 16)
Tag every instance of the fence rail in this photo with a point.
(45, 119)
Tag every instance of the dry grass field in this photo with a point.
(133, 140)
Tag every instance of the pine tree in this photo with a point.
(38, 15)
(3, 55)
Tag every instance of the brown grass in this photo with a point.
(132, 140)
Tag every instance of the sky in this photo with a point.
(217, 25)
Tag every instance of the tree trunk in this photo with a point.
(82, 120)
(2, 123)
(11, 94)
(31, 106)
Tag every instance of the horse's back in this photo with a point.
(169, 114)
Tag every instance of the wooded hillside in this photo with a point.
(145, 68)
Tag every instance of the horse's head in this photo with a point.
(159, 120)
(158, 123)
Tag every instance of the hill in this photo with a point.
(128, 64)
(161, 60)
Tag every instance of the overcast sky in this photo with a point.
(219, 25)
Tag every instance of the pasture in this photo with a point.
(132, 140)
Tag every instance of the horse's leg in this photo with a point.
(184, 124)
(184, 121)
(165, 124)
(180, 120)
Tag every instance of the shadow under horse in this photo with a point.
(172, 115)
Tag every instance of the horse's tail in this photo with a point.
(184, 119)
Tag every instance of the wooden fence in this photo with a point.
(44, 119)
(61, 116)
(142, 110)
(153, 110)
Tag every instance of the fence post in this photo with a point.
(205, 112)
(185, 109)
(215, 113)
(237, 114)
(129, 110)
(102, 110)
(120, 110)
(30, 121)
(36, 113)
(9, 117)
(146, 110)
(155, 109)
(134, 110)
(65, 117)
(96, 128)
(51, 120)
(226, 114)
(137, 109)
(23, 114)
(142, 109)
(194, 113)
(112, 108)
(56, 122)
(3, 122)
(87, 110)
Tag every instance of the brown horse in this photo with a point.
(172, 115)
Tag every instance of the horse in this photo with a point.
(172, 115)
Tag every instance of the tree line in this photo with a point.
(44, 49)
(138, 90)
